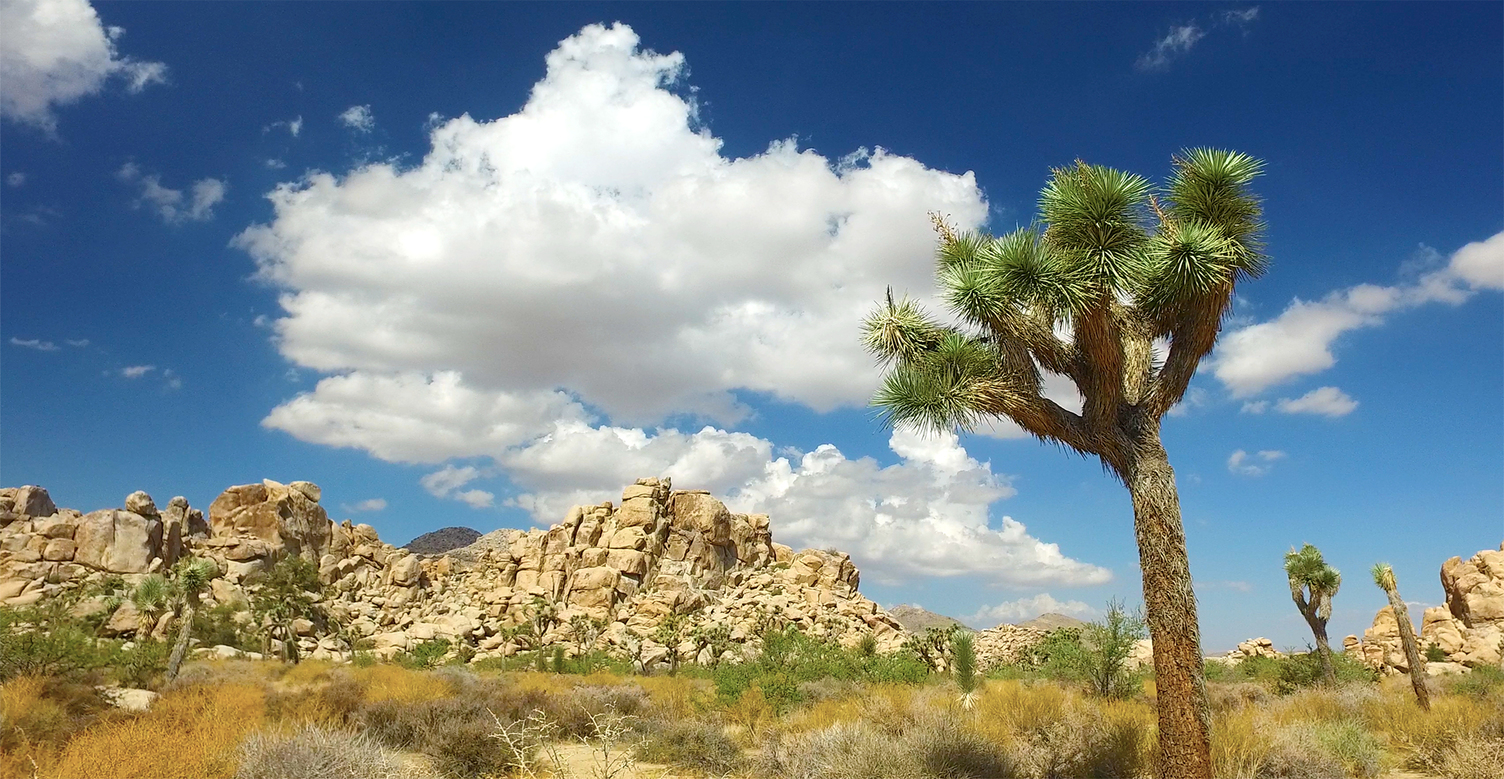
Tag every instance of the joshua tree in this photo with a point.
(1138, 284)
(1313, 583)
(1383, 575)
(286, 595)
(189, 580)
(152, 597)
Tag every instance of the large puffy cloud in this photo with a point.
(598, 241)
(56, 52)
(1299, 341)
(544, 285)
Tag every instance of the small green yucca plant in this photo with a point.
(964, 667)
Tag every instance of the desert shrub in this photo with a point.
(1240, 741)
(853, 750)
(392, 682)
(790, 658)
(1105, 646)
(189, 733)
(452, 732)
(425, 655)
(1482, 682)
(1435, 654)
(694, 745)
(946, 748)
(38, 715)
(1293, 672)
(1227, 696)
(828, 689)
(1295, 752)
(138, 664)
(218, 627)
(316, 752)
(1473, 758)
(62, 648)
(1421, 739)
(1354, 748)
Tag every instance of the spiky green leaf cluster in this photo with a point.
(1110, 259)
(1307, 568)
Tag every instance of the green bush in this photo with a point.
(1289, 673)
(217, 627)
(424, 656)
(61, 648)
(790, 658)
(1435, 654)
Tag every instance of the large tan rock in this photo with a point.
(117, 541)
(284, 517)
(703, 514)
(1475, 587)
(30, 501)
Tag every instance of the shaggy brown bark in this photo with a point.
(185, 632)
(1412, 649)
(1323, 648)
(1170, 609)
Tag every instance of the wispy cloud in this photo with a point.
(294, 127)
(34, 343)
(1183, 37)
(136, 371)
(1245, 464)
(371, 504)
(15, 179)
(358, 118)
(1175, 43)
(445, 483)
(171, 204)
(79, 343)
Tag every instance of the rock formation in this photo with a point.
(445, 539)
(1005, 644)
(607, 577)
(1469, 629)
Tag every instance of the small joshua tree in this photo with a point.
(1313, 583)
(286, 595)
(151, 598)
(189, 580)
(670, 633)
(1383, 575)
(964, 667)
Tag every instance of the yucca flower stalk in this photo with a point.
(1383, 575)
(1137, 281)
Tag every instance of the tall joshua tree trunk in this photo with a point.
(1383, 575)
(1170, 610)
(1323, 649)
(185, 632)
(1309, 573)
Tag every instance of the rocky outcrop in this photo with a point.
(665, 565)
(446, 539)
(1469, 629)
(1005, 644)
(916, 619)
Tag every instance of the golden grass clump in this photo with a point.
(189, 733)
(673, 697)
(395, 683)
(307, 672)
(29, 727)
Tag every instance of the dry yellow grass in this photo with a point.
(676, 697)
(308, 672)
(1240, 742)
(26, 721)
(190, 733)
(395, 683)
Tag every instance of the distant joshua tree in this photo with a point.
(1137, 283)
(1313, 584)
(189, 580)
(1383, 575)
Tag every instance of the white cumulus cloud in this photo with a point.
(1025, 609)
(57, 52)
(596, 250)
(1326, 401)
(1299, 341)
(1245, 464)
(171, 204)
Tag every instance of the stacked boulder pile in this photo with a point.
(1005, 644)
(664, 565)
(1468, 629)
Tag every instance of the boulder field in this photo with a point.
(1468, 629)
(607, 577)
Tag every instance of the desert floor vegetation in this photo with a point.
(803, 708)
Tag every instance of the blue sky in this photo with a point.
(471, 263)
